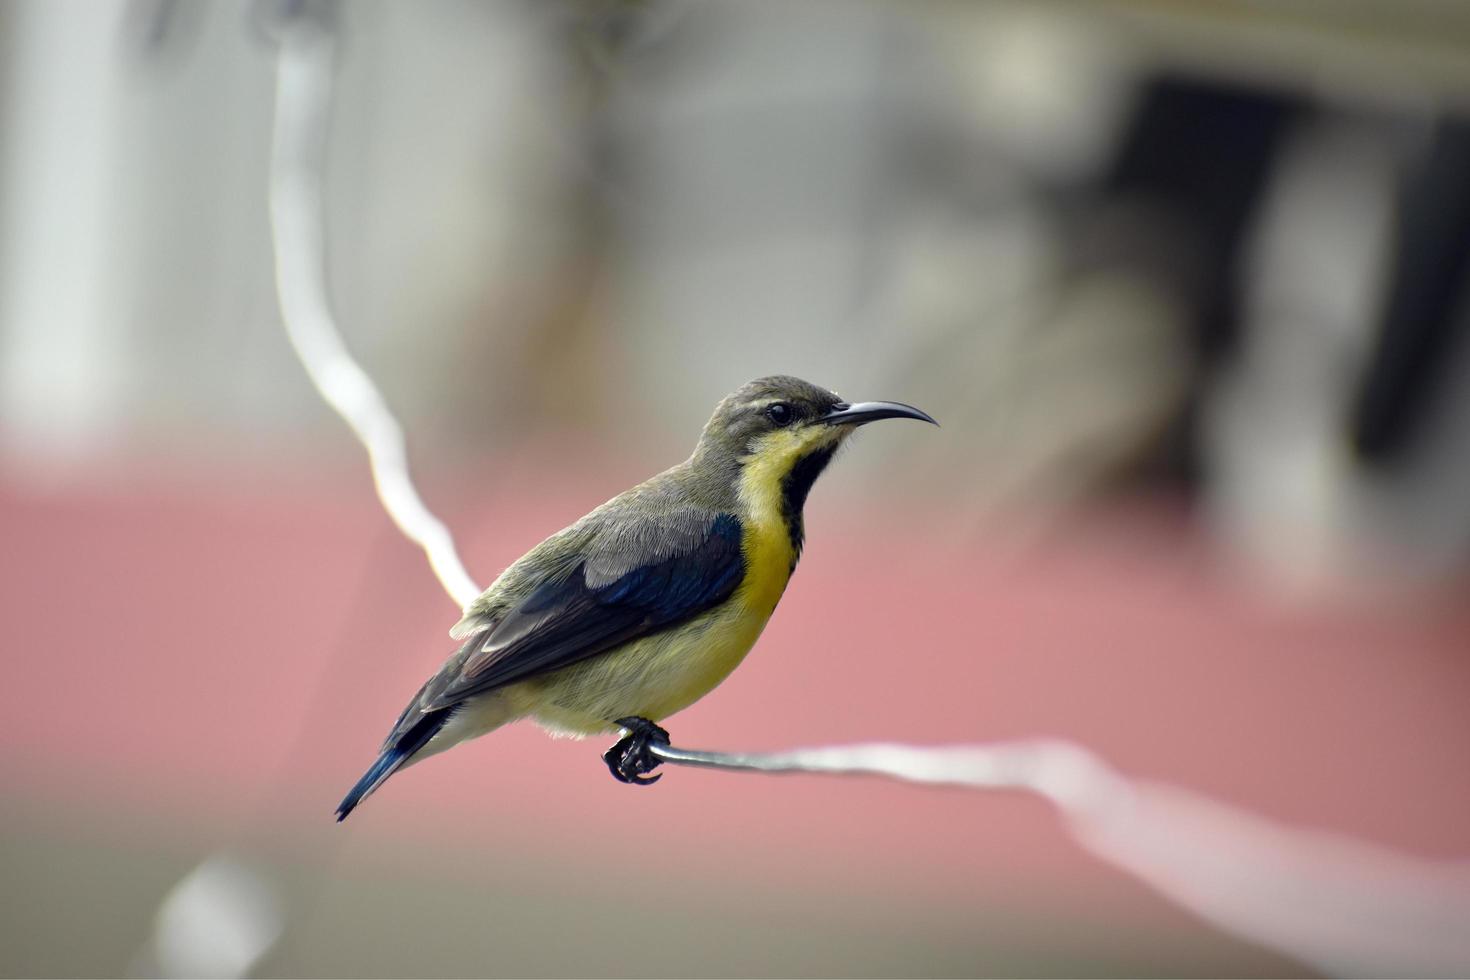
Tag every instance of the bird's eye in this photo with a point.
(780, 413)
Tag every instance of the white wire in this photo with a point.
(303, 92)
(1343, 906)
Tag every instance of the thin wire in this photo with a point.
(1066, 774)
(1341, 905)
(303, 94)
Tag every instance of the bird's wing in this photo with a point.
(634, 578)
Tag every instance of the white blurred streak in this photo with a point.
(1343, 906)
(303, 94)
(62, 356)
(218, 921)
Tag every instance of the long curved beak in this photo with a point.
(862, 413)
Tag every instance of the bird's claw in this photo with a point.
(629, 760)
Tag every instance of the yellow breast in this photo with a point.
(651, 677)
(769, 553)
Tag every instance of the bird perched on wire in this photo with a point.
(646, 604)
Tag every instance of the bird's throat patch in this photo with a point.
(794, 490)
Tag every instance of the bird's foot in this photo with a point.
(629, 760)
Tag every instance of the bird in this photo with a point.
(647, 603)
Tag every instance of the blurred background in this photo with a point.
(1186, 284)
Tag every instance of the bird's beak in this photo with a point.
(862, 413)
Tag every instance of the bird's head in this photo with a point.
(780, 426)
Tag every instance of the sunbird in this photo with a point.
(642, 607)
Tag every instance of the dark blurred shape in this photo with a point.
(1195, 158)
(1200, 153)
(1428, 308)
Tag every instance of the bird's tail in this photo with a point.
(393, 758)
